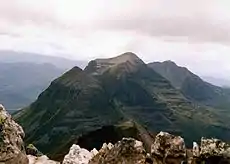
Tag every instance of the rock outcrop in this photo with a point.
(12, 149)
(214, 147)
(168, 148)
(126, 151)
(78, 155)
(40, 160)
(212, 151)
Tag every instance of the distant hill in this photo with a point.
(191, 85)
(15, 57)
(21, 83)
(217, 81)
(109, 92)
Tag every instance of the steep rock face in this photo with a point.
(128, 151)
(12, 149)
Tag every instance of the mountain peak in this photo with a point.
(172, 72)
(99, 66)
(128, 56)
(169, 62)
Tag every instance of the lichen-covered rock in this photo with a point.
(126, 151)
(78, 155)
(169, 148)
(168, 145)
(214, 147)
(40, 160)
(211, 151)
(12, 149)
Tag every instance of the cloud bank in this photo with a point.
(193, 33)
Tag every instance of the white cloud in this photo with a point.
(194, 33)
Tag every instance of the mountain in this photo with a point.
(191, 85)
(117, 97)
(21, 83)
(19, 57)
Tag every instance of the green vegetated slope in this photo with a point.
(110, 92)
(191, 85)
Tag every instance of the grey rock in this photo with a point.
(126, 151)
(214, 147)
(78, 155)
(168, 145)
(12, 149)
(168, 148)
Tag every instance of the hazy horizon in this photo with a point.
(192, 33)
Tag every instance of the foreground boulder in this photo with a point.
(126, 151)
(78, 155)
(40, 160)
(214, 147)
(168, 148)
(213, 151)
(12, 149)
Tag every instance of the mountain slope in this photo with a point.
(107, 93)
(74, 104)
(191, 85)
(21, 83)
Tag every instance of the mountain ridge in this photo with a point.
(191, 85)
(80, 102)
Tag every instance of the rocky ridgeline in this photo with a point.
(166, 149)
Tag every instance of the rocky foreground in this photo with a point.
(166, 149)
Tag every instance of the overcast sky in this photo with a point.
(193, 33)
